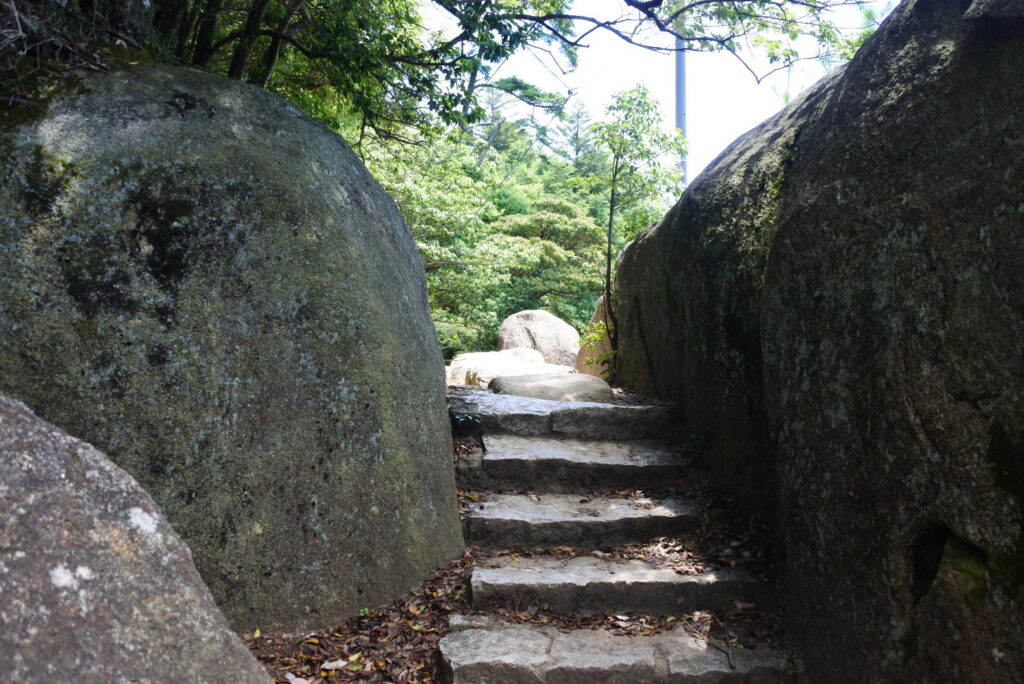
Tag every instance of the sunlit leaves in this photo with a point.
(642, 153)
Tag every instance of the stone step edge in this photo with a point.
(592, 585)
(517, 521)
(606, 568)
(553, 470)
(488, 649)
(588, 510)
(503, 413)
(631, 453)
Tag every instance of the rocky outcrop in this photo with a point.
(94, 583)
(205, 283)
(836, 304)
(536, 329)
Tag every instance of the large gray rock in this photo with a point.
(555, 386)
(95, 586)
(558, 341)
(837, 303)
(477, 369)
(204, 282)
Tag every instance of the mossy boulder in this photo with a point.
(207, 284)
(836, 303)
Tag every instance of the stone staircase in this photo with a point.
(534, 486)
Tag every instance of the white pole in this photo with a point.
(681, 98)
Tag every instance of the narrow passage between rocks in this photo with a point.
(600, 556)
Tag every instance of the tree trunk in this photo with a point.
(185, 29)
(207, 31)
(468, 104)
(168, 17)
(243, 49)
(273, 52)
(610, 322)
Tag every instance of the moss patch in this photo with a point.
(972, 565)
(47, 178)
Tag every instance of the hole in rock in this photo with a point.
(926, 558)
(935, 544)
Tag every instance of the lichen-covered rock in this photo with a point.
(537, 329)
(95, 586)
(837, 304)
(205, 283)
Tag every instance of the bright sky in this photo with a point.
(723, 99)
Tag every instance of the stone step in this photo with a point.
(521, 654)
(516, 521)
(507, 413)
(586, 584)
(564, 464)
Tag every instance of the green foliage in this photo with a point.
(593, 337)
(368, 66)
(848, 45)
(637, 176)
(492, 242)
(638, 145)
(558, 221)
(504, 208)
(504, 211)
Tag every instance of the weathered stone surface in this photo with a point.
(205, 283)
(560, 464)
(508, 413)
(509, 521)
(555, 339)
(836, 302)
(475, 655)
(479, 368)
(690, 332)
(588, 359)
(554, 386)
(95, 586)
(593, 585)
(516, 654)
(995, 9)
